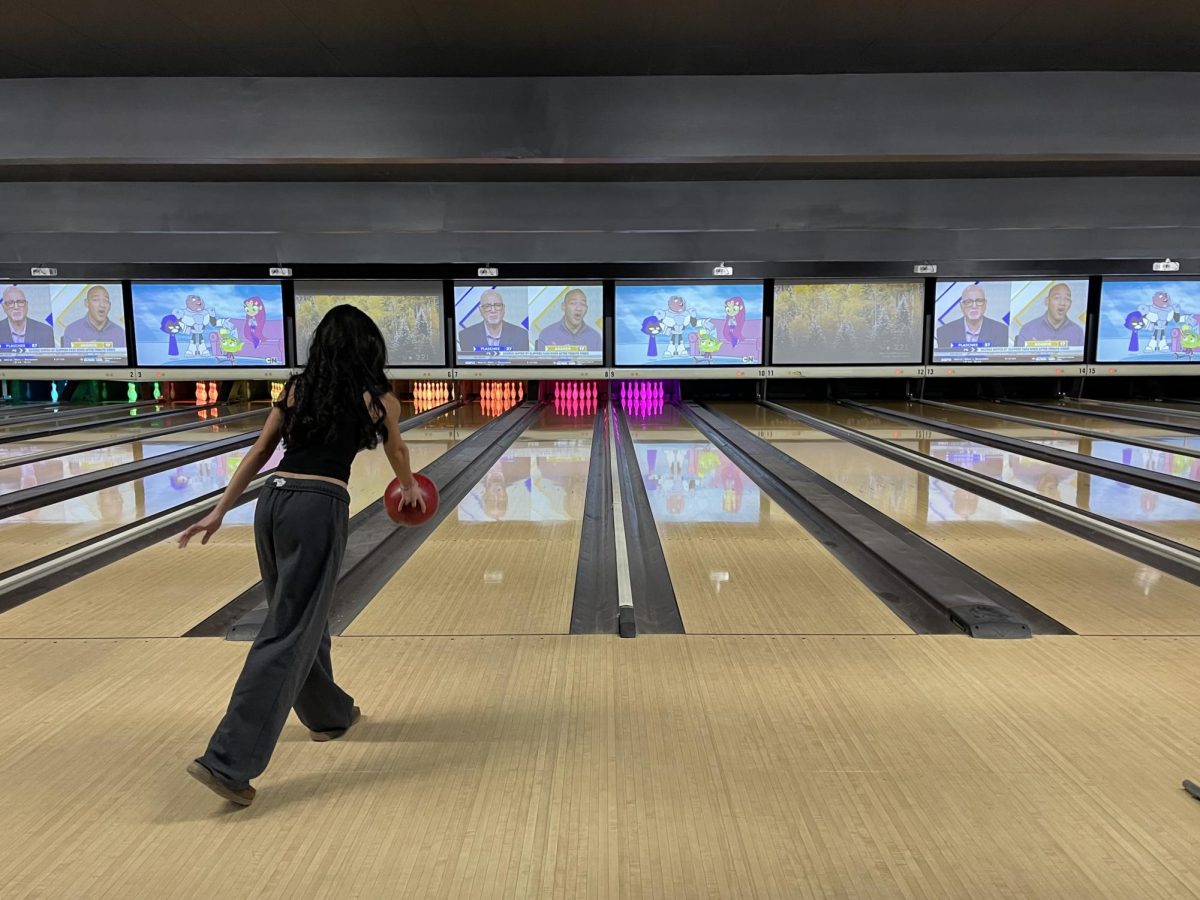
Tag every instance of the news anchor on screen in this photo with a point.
(493, 331)
(571, 330)
(974, 327)
(95, 327)
(1054, 325)
(17, 327)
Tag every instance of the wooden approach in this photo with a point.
(662, 767)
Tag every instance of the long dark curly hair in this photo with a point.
(324, 403)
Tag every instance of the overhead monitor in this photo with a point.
(212, 324)
(1149, 322)
(48, 324)
(408, 313)
(1009, 321)
(529, 324)
(690, 324)
(848, 323)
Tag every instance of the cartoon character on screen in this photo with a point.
(675, 320)
(256, 320)
(193, 318)
(1160, 313)
(171, 326)
(1188, 338)
(652, 327)
(1136, 323)
(735, 320)
(704, 342)
(226, 343)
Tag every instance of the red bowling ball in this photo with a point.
(410, 515)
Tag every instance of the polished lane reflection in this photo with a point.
(504, 560)
(738, 563)
(1088, 588)
(163, 591)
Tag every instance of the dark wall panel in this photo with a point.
(1072, 115)
(1039, 218)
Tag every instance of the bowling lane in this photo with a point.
(1088, 588)
(740, 564)
(102, 415)
(163, 591)
(1095, 423)
(504, 560)
(69, 465)
(1168, 517)
(124, 429)
(1181, 465)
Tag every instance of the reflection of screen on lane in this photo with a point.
(150, 495)
(844, 323)
(532, 482)
(409, 313)
(208, 324)
(1009, 321)
(689, 324)
(950, 503)
(696, 482)
(62, 325)
(1180, 465)
(1149, 321)
(529, 325)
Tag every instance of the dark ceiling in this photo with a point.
(618, 37)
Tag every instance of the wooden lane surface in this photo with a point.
(1110, 426)
(766, 575)
(1173, 518)
(30, 535)
(503, 562)
(1108, 448)
(591, 767)
(123, 430)
(1088, 588)
(68, 465)
(163, 591)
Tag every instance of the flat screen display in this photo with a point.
(529, 324)
(700, 324)
(847, 323)
(210, 324)
(408, 313)
(1149, 321)
(63, 325)
(1009, 321)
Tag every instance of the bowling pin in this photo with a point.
(201, 393)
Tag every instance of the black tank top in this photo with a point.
(331, 460)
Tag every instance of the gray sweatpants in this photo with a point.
(300, 529)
